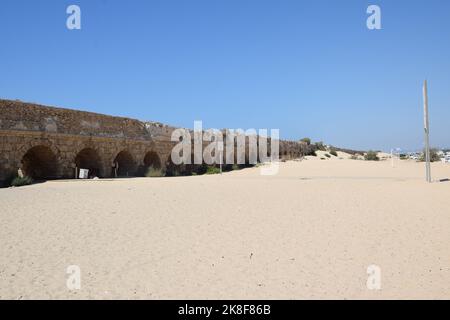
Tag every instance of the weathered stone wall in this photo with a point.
(31, 117)
(65, 139)
(66, 133)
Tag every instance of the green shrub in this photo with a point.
(320, 146)
(24, 181)
(371, 156)
(154, 172)
(354, 157)
(333, 153)
(235, 167)
(327, 155)
(212, 170)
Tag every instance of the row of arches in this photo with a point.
(41, 163)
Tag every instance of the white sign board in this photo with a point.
(84, 174)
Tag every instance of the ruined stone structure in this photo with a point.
(52, 143)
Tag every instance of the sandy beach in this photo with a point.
(309, 232)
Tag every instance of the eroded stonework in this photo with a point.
(51, 143)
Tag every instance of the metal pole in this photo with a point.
(392, 157)
(427, 132)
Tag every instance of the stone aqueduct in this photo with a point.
(51, 143)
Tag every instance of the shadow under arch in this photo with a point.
(89, 158)
(152, 159)
(124, 165)
(40, 163)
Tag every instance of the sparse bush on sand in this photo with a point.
(327, 155)
(320, 146)
(434, 157)
(212, 170)
(333, 153)
(21, 181)
(154, 172)
(371, 156)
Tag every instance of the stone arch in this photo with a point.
(88, 158)
(124, 164)
(31, 143)
(40, 163)
(152, 159)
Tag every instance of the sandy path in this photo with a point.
(309, 232)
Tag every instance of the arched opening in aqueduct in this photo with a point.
(151, 159)
(124, 165)
(89, 159)
(40, 163)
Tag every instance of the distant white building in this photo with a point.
(446, 158)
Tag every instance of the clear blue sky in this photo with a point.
(309, 68)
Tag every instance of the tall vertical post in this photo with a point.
(392, 158)
(427, 132)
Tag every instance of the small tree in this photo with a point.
(306, 140)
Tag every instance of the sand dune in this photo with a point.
(309, 232)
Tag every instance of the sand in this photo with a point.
(309, 232)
